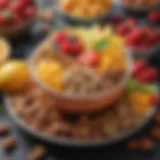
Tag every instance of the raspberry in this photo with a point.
(139, 67)
(61, 37)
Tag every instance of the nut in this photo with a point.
(9, 143)
(37, 153)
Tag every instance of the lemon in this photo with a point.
(51, 73)
(14, 76)
(5, 50)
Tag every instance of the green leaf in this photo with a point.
(103, 43)
(134, 86)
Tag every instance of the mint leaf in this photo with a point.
(103, 43)
(134, 86)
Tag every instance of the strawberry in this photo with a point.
(89, 59)
(154, 17)
(139, 67)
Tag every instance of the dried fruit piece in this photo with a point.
(37, 153)
(9, 143)
(4, 128)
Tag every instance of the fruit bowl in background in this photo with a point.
(16, 16)
(78, 18)
(137, 6)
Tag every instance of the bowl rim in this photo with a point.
(123, 81)
(75, 142)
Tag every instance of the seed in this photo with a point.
(4, 129)
(37, 153)
(9, 143)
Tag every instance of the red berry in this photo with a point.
(18, 19)
(154, 100)
(30, 12)
(118, 19)
(4, 3)
(123, 30)
(16, 7)
(139, 67)
(2, 19)
(135, 36)
(154, 17)
(77, 47)
(89, 59)
(131, 22)
(61, 37)
(153, 36)
(26, 2)
(66, 47)
(149, 75)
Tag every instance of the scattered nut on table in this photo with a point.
(9, 143)
(4, 128)
(37, 153)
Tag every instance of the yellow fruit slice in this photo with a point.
(5, 50)
(14, 76)
(51, 73)
(141, 101)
